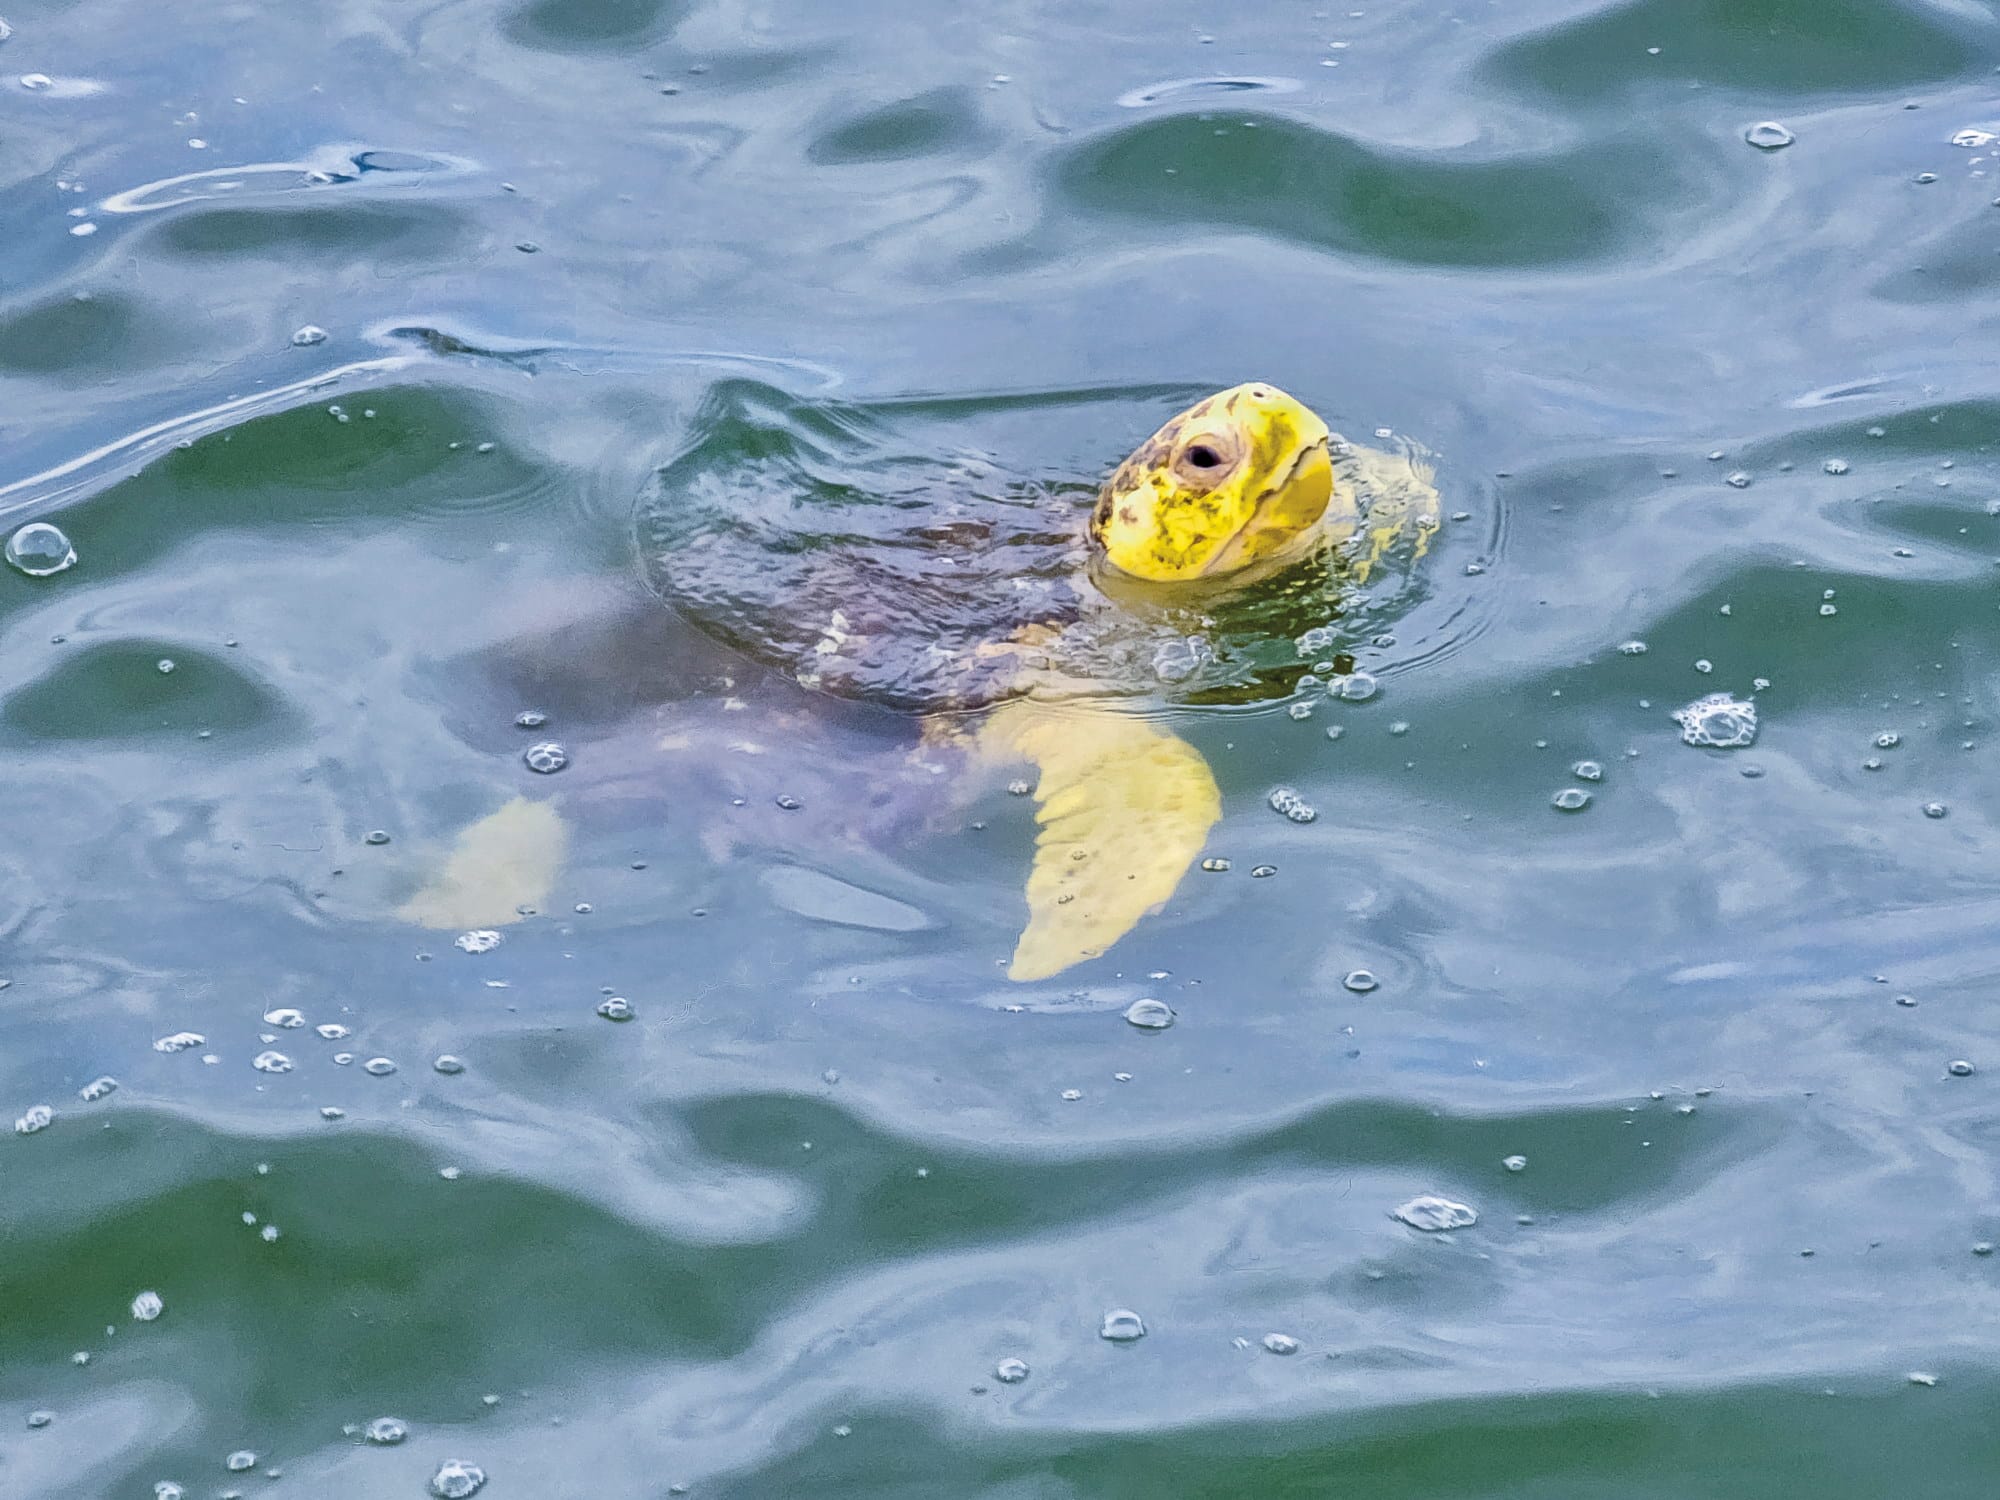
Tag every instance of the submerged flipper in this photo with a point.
(1396, 497)
(507, 860)
(1125, 808)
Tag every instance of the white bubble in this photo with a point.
(40, 550)
(455, 1480)
(1150, 1015)
(309, 335)
(1287, 801)
(147, 1306)
(37, 1117)
(480, 940)
(1429, 1212)
(1718, 722)
(1122, 1326)
(545, 758)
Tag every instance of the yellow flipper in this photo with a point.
(1125, 808)
(1400, 497)
(508, 859)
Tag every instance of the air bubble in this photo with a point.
(1011, 1371)
(1834, 466)
(1514, 1163)
(479, 940)
(1150, 1015)
(1570, 799)
(1431, 1213)
(380, 1067)
(456, 1480)
(1355, 687)
(1718, 722)
(1281, 1343)
(617, 1008)
(310, 334)
(241, 1461)
(147, 1306)
(545, 757)
(1360, 981)
(1587, 770)
(1769, 135)
(1287, 801)
(40, 550)
(271, 1062)
(1936, 810)
(284, 1018)
(386, 1432)
(1122, 1326)
(34, 1119)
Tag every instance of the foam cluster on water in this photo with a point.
(1718, 722)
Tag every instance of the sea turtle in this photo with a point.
(1197, 572)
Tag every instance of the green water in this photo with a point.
(771, 1236)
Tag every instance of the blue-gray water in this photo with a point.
(771, 1236)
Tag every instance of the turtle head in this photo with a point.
(1234, 482)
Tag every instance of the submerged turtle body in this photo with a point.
(1037, 625)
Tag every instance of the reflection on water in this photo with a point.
(737, 1167)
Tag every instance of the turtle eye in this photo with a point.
(1202, 456)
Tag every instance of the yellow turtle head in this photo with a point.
(1234, 483)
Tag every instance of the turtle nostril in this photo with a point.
(1204, 457)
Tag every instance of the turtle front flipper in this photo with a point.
(1124, 808)
(507, 860)
(1399, 500)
